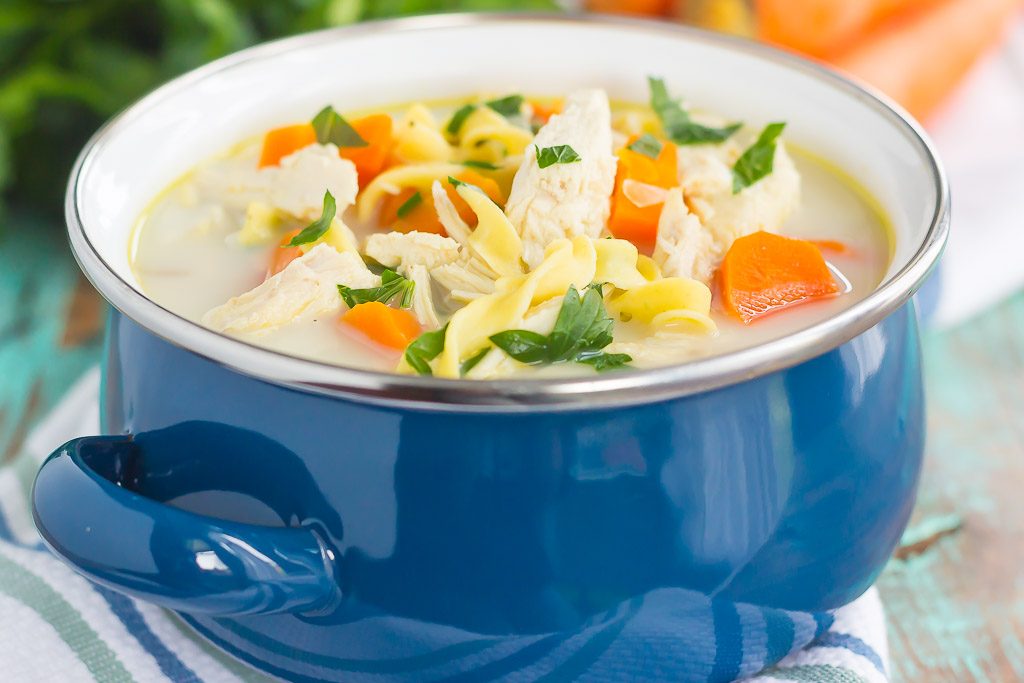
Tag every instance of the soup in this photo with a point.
(511, 236)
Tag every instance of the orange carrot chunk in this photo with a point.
(392, 327)
(419, 215)
(370, 160)
(542, 112)
(280, 142)
(488, 185)
(284, 254)
(639, 224)
(763, 272)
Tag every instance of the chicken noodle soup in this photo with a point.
(512, 236)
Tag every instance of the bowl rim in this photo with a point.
(511, 395)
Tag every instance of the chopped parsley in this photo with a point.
(392, 285)
(409, 204)
(473, 360)
(316, 229)
(455, 182)
(758, 159)
(583, 328)
(507, 106)
(559, 154)
(331, 127)
(485, 165)
(424, 349)
(459, 118)
(648, 145)
(676, 121)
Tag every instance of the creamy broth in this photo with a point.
(186, 257)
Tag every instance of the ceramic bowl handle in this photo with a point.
(168, 556)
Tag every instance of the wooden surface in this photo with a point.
(955, 594)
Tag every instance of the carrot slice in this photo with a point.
(370, 160)
(280, 142)
(393, 327)
(422, 217)
(919, 58)
(763, 272)
(542, 112)
(284, 254)
(639, 224)
(488, 185)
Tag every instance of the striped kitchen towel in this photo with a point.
(59, 627)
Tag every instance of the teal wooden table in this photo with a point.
(954, 593)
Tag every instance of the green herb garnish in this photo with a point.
(583, 328)
(455, 182)
(606, 361)
(391, 285)
(424, 349)
(758, 159)
(459, 118)
(330, 126)
(648, 145)
(523, 345)
(485, 165)
(408, 205)
(316, 229)
(507, 106)
(678, 125)
(473, 360)
(374, 266)
(559, 154)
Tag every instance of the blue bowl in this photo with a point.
(326, 523)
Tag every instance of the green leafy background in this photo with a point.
(66, 66)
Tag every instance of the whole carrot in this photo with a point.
(918, 59)
(820, 27)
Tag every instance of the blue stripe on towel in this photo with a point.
(781, 633)
(125, 610)
(728, 642)
(853, 644)
(580, 661)
(510, 664)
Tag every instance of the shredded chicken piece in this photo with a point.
(565, 200)
(449, 215)
(393, 249)
(306, 288)
(466, 279)
(298, 184)
(705, 173)
(422, 296)
(684, 247)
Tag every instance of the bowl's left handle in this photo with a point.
(162, 554)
